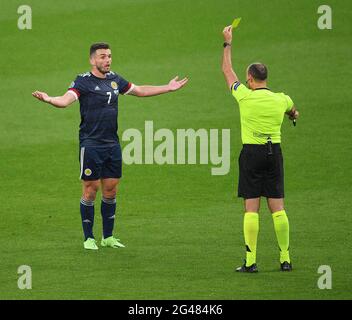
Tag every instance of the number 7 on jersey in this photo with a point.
(109, 94)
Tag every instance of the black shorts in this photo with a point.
(100, 162)
(261, 174)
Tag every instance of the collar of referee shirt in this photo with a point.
(263, 88)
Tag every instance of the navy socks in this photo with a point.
(108, 208)
(87, 215)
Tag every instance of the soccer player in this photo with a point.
(100, 151)
(260, 163)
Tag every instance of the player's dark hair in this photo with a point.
(96, 46)
(258, 71)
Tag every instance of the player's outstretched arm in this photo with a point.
(229, 74)
(149, 91)
(58, 102)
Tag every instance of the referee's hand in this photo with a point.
(294, 115)
(227, 32)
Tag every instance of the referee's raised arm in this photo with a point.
(229, 73)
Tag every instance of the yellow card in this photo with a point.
(236, 22)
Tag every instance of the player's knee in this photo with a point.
(90, 196)
(109, 193)
(90, 193)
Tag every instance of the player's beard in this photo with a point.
(103, 70)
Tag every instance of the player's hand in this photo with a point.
(176, 84)
(227, 32)
(42, 96)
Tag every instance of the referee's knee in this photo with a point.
(276, 205)
(252, 205)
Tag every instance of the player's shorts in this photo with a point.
(261, 174)
(100, 162)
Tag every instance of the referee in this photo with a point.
(261, 170)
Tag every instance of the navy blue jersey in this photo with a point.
(98, 100)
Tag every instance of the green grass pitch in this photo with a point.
(182, 226)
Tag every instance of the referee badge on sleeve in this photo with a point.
(236, 85)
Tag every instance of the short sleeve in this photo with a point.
(240, 91)
(125, 87)
(289, 103)
(78, 87)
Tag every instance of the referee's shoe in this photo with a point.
(251, 269)
(286, 266)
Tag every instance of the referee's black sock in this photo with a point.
(108, 208)
(87, 215)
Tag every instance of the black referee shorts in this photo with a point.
(261, 174)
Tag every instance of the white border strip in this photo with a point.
(82, 161)
(129, 90)
(74, 93)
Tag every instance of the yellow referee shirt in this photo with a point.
(261, 112)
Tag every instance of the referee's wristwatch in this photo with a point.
(227, 44)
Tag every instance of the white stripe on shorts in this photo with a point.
(81, 159)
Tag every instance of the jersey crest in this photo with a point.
(114, 85)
